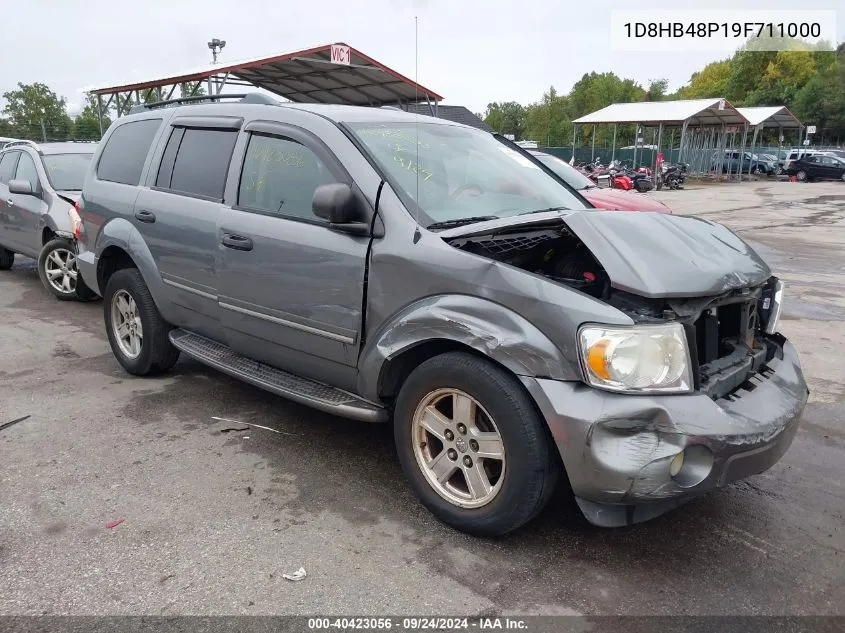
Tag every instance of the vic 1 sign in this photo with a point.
(340, 54)
(811, 129)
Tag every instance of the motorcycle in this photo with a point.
(673, 176)
(627, 179)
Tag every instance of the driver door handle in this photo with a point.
(145, 216)
(10, 202)
(236, 242)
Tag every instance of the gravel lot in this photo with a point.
(213, 519)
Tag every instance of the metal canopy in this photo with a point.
(690, 111)
(303, 76)
(771, 116)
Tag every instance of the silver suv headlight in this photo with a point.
(636, 359)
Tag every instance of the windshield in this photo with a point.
(461, 172)
(67, 171)
(572, 176)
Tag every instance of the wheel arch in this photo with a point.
(120, 245)
(443, 323)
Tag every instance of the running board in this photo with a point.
(308, 392)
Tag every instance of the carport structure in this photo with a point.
(333, 73)
(764, 117)
(706, 126)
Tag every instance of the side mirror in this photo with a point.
(337, 204)
(22, 187)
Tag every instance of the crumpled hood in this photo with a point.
(661, 255)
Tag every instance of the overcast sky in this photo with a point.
(470, 51)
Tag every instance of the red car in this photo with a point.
(613, 199)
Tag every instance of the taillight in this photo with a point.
(75, 221)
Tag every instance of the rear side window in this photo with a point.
(280, 175)
(7, 166)
(126, 150)
(196, 161)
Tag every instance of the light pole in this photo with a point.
(216, 46)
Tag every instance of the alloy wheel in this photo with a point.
(458, 448)
(126, 324)
(60, 270)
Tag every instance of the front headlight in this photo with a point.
(638, 359)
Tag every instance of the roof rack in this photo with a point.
(13, 143)
(252, 97)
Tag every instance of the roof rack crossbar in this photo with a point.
(251, 97)
(22, 142)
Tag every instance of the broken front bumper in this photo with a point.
(618, 449)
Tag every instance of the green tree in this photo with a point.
(506, 118)
(35, 112)
(710, 81)
(86, 125)
(548, 121)
(657, 90)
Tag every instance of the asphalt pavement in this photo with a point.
(212, 517)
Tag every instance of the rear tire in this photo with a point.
(802, 176)
(502, 417)
(7, 259)
(130, 312)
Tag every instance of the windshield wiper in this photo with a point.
(545, 210)
(448, 224)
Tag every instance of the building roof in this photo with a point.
(695, 111)
(455, 113)
(772, 116)
(333, 73)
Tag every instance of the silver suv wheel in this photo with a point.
(458, 448)
(126, 324)
(60, 270)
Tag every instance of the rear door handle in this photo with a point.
(236, 242)
(145, 216)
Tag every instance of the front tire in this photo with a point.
(137, 333)
(7, 259)
(59, 274)
(802, 176)
(472, 445)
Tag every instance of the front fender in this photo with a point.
(121, 234)
(485, 326)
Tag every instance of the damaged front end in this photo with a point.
(632, 455)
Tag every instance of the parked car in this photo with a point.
(39, 184)
(369, 264)
(733, 162)
(817, 167)
(599, 197)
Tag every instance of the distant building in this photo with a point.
(458, 114)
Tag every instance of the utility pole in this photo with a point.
(43, 131)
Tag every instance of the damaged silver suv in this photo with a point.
(388, 267)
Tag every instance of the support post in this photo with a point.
(742, 152)
(657, 149)
(100, 113)
(593, 154)
(613, 151)
(574, 132)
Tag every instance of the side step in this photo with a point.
(302, 390)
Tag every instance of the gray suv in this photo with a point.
(39, 184)
(390, 268)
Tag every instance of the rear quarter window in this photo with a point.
(123, 157)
